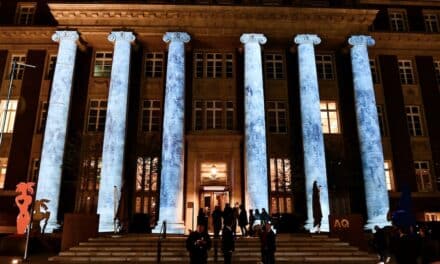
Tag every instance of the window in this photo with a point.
(324, 67)
(151, 115)
(437, 71)
(406, 72)
(198, 115)
(103, 64)
(25, 13)
(10, 113)
(19, 69)
(213, 65)
(374, 72)
(381, 119)
(154, 65)
(414, 120)
(230, 115)
(398, 20)
(274, 66)
(97, 114)
(280, 185)
(89, 184)
(423, 176)
(43, 117)
(214, 111)
(35, 168)
(329, 117)
(431, 22)
(3, 167)
(51, 67)
(389, 175)
(276, 112)
(147, 176)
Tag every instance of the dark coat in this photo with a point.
(316, 205)
(198, 245)
(228, 242)
(242, 218)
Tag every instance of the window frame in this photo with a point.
(3, 171)
(274, 67)
(393, 20)
(324, 62)
(327, 112)
(99, 110)
(374, 71)
(147, 123)
(103, 65)
(381, 116)
(11, 114)
(28, 16)
(42, 116)
(423, 174)
(411, 117)
(431, 21)
(19, 69)
(277, 110)
(389, 175)
(406, 72)
(157, 65)
(280, 193)
(202, 65)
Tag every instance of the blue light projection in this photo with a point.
(49, 176)
(171, 185)
(256, 186)
(313, 142)
(115, 128)
(376, 193)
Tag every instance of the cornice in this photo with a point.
(413, 41)
(18, 35)
(402, 2)
(198, 18)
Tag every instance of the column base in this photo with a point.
(380, 221)
(325, 227)
(51, 226)
(172, 228)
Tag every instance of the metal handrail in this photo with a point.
(162, 235)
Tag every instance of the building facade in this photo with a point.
(188, 105)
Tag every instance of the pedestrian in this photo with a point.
(251, 222)
(316, 207)
(264, 217)
(268, 244)
(198, 243)
(227, 214)
(201, 219)
(217, 220)
(380, 244)
(235, 215)
(228, 243)
(243, 221)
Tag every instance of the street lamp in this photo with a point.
(11, 78)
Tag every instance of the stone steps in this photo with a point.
(297, 248)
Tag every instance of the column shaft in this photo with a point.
(49, 176)
(376, 194)
(313, 140)
(256, 183)
(171, 178)
(115, 128)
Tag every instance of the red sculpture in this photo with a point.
(23, 201)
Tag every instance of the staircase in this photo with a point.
(136, 248)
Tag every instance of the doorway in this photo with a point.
(209, 199)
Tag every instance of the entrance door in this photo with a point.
(210, 199)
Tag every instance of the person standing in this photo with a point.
(316, 207)
(380, 244)
(251, 222)
(198, 243)
(243, 221)
(235, 214)
(228, 243)
(217, 220)
(268, 244)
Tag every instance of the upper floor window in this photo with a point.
(51, 67)
(431, 22)
(374, 72)
(97, 114)
(274, 66)
(329, 117)
(213, 115)
(10, 112)
(280, 185)
(437, 71)
(214, 110)
(389, 180)
(406, 72)
(25, 13)
(213, 65)
(414, 120)
(423, 176)
(19, 69)
(324, 67)
(381, 119)
(43, 117)
(154, 64)
(3, 167)
(151, 115)
(398, 21)
(103, 64)
(277, 117)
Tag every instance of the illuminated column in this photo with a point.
(313, 141)
(49, 176)
(115, 128)
(256, 188)
(171, 178)
(376, 193)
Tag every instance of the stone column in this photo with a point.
(173, 141)
(370, 141)
(313, 141)
(49, 176)
(256, 183)
(115, 128)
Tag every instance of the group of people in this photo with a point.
(198, 242)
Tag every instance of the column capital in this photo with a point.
(121, 36)
(307, 39)
(176, 36)
(361, 40)
(65, 35)
(253, 37)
